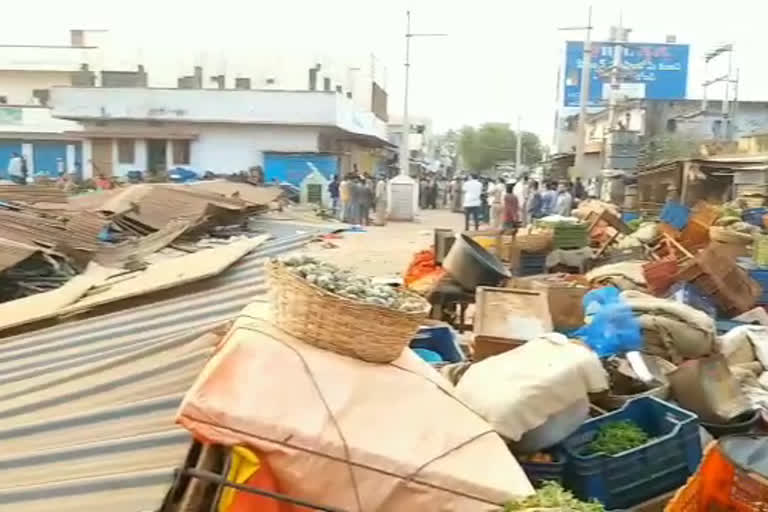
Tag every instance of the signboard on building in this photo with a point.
(661, 70)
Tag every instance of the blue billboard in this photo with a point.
(655, 71)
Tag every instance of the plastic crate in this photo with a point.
(629, 216)
(675, 214)
(688, 294)
(540, 472)
(631, 477)
(760, 275)
(531, 264)
(660, 275)
(440, 339)
(754, 216)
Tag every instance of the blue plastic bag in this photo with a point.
(612, 327)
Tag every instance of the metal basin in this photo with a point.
(471, 265)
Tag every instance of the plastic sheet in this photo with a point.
(612, 327)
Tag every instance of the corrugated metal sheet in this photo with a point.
(32, 193)
(12, 253)
(87, 406)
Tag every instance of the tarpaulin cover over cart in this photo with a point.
(341, 432)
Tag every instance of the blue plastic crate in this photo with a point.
(688, 294)
(531, 264)
(675, 214)
(629, 216)
(631, 477)
(439, 339)
(754, 216)
(540, 472)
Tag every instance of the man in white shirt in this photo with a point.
(564, 201)
(16, 169)
(521, 192)
(472, 190)
(496, 194)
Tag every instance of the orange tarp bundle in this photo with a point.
(722, 482)
(423, 273)
(423, 263)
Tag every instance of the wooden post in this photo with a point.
(684, 181)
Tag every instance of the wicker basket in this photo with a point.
(318, 317)
(537, 241)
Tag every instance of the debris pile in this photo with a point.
(47, 238)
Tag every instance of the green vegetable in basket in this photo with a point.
(617, 437)
(552, 496)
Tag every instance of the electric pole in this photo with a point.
(519, 148)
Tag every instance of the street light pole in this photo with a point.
(403, 193)
(404, 150)
(586, 75)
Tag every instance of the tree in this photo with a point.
(482, 148)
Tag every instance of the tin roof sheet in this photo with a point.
(87, 406)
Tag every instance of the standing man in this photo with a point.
(496, 193)
(344, 198)
(380, 217)
(432, 193)
(548, 198)
(511, 214)
(333, 191)
(564, 201)
(578, 190)
(472, 189)
(16, 169)
(535, 202)
(521, 191)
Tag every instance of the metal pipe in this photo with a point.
(221, 481)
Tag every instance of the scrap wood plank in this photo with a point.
(165, 274)
(94, 288)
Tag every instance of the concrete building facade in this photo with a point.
(223, 131)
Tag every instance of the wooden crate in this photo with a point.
(507, 317)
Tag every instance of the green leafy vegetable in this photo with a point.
(551, 495)
(617, 437)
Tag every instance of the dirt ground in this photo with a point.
(385, 251)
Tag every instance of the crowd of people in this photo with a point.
(509, 205)
(357, 196)
(500, 203)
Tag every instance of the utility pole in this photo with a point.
(404, 150)
(619, 37)
(519, 148)
(727, 128)
(403, 192)
(586, 75)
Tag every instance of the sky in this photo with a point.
(498, 62)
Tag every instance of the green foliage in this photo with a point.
(553, 496)
(482, 148)
(617, 437)
(668, 147)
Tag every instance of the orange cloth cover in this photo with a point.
(344, 433)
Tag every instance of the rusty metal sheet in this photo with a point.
(99, 395)
(135, 251)
(13, 253)
(32, 194)
(258, 196)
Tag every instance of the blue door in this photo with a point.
(7, 148)
(47, 154)
(293, 168)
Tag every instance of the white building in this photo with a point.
(288, 133)
(349, 88)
